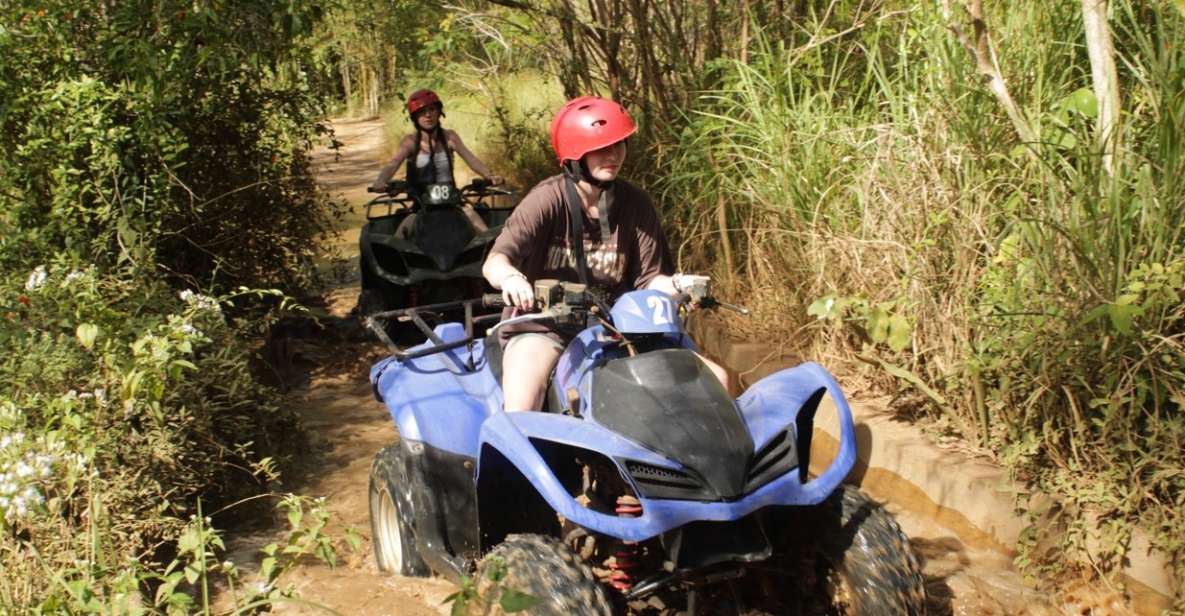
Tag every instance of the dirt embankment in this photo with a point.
(348, 427)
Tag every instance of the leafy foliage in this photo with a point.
(161, 133)
(475, 598)
(154, 168)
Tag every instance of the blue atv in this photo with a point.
(640, 487)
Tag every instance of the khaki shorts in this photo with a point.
(532, 335)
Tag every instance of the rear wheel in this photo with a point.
(548, 571)
(855, 557)
(391, 527)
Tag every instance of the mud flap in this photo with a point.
(444, 507)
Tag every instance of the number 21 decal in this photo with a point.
(662, 310)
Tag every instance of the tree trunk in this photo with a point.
(714, 37)
(1104, 76)
(347, 86)
(744, 31)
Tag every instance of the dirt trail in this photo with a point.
(345, 424)
(348, 426)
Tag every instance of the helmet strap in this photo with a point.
(578, 171)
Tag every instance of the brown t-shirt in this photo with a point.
(536, 239)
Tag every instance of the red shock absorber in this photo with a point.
(625, 557)
(413, 296)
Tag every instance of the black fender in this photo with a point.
(444, 507)
(507, 503)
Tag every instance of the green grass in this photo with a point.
(1042, 298)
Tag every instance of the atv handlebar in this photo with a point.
(398, 195)
(708, 301)
(395, 187)
(563, 302)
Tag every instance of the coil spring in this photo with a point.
(625, 557)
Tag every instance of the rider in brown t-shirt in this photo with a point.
(624, 253)
(624, 245)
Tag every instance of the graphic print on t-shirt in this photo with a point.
(603, 259)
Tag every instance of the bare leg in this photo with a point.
(721, 373)
(526, 364)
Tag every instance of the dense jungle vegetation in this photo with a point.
(976, 207)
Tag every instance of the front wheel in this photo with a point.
(391, 527)
(855, 553)
(545, 569)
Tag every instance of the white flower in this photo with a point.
(262, 587)
(200, 302)
(11, 439)
(73, 275)
(37, 278)
(189, 330)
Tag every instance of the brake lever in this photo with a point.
(733, 307)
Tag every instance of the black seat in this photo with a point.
(493, 351)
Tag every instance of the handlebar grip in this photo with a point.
(493, 300)
(371, 189)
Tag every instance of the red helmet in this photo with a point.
(421, 99)
(588, 123)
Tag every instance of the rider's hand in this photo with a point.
(518, 292)
(495, 180)
(377, 187)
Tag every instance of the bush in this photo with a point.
(121, 402)
(154, 166)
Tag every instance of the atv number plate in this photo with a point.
(440, 194)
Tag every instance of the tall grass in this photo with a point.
(1041, 297)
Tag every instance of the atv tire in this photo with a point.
(547, 570)
(862, 544)
(370, 301)
(391, 522)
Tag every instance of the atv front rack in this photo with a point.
(376, 321)
(563, 302)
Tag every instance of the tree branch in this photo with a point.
(513, 4)
(983, 53)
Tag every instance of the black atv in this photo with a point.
(419, 246)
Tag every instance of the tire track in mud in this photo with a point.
(347, 427)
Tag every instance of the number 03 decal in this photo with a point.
(662, 310)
